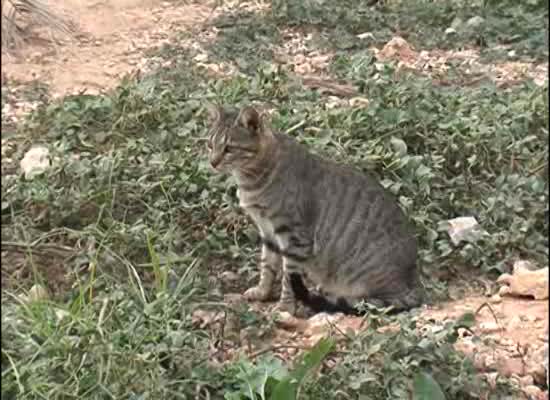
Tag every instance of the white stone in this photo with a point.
(460, 228)
(489, 327)
(475, 22)
(61, 314)
(229, 276)
(450, 31)
(35, 161)
(38, 293)
(495, 299)
(366, 35)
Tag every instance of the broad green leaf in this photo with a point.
(466, 320)
(287, 388)
(427, 388)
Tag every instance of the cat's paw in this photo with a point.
(288, 306)
(256, 293)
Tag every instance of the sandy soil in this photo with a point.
(112, 38)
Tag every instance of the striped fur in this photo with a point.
(315, 217)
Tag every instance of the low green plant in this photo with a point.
(269, 379)
(396, 357)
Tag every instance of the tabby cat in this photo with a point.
(329, 221)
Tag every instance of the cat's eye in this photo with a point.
(227, 149)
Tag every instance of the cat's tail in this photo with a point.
(317, 302)
(405, 300)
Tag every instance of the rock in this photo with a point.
(489, 327)
(321, 323)
(533, 392)
(509, 366)
(523, 265)
(463, 228)
(292, 351)
(366, 35)
(515, 322)
(532, 318)
(359, 102)
(537, 364)
(503, 291)
(397, 48)
(475, 22)
(229, 276)
(424, 55)
(526, 380)
(525, 282)
(61, 314)
(35, 161)
(38, 292)
(450, 31)
(495, 298)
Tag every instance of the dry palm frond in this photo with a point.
(17, 15)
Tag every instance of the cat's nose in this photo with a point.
(215, 161)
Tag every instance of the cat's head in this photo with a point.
(236, 137)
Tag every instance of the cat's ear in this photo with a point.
(213, 112)
(250, 119)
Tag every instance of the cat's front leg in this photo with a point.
(270, 262)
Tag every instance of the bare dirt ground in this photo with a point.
(114, 37)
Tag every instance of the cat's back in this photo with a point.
(329, 179)
(352, 208)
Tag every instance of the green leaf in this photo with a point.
(313, 358)
(287, 388)
(466, 320)
(427, 388)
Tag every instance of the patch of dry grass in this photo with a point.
(20, 16)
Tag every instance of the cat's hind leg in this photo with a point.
(407, 298)
(296, 250)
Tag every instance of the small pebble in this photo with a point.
(496, 298)
(532, 391)
(489, 327)
(526, 380)
(38, 292)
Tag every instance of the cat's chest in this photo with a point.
(258, 212)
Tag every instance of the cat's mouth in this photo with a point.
(218, 167)
(216, 162)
